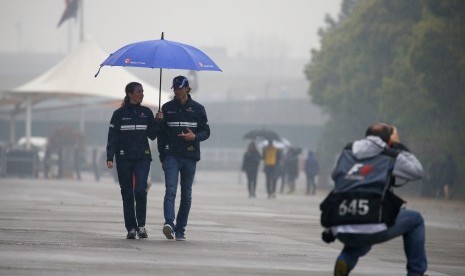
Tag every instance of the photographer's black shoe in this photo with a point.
(341, 268)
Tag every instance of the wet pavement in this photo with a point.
(66, 227)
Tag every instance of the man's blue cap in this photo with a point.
(180, 82)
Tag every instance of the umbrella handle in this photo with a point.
(159, 93)
(159, 87)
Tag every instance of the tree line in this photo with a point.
(399, 62)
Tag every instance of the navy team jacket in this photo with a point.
(177, 118)
(130, 126)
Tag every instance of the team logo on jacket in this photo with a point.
(189, 109)
(190, 148)
(147, 151)
(143, 115)
(359, 171)
(121, 152)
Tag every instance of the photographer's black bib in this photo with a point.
(362, 192)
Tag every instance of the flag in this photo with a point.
(70, 11)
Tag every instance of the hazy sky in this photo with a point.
(285, 28)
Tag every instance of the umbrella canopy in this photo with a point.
(161, 54)
(262, 134)
(282, 143)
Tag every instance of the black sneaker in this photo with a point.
(168, 231)
(142, 233)
(131, 234)
(180, 237)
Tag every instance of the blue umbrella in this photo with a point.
(160, 54)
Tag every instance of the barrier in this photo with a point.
(21, 163)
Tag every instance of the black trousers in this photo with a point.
(134, 195)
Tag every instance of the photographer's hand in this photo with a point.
(394, 139)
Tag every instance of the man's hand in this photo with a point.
(109, 164)
(188, 136)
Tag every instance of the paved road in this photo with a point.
(65, 227)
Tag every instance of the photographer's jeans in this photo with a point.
(409, 224)
(173, 167)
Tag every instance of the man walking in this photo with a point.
(183, 125)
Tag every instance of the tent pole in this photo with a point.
(81, 21)
(82, 116)
(28, 121)
(13, 129)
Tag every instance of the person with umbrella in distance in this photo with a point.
(130, 126)
(312, 168)
(271, 159)
(250, 163)
(183, 124)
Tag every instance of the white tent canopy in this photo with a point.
(74, 77)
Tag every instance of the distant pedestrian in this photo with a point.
(281, 171)
(271, 158)
(312, 169)
(434, 176)
(250, 164)
(291, 165)
(95, 164)
(448, 175)
(77, 161)
(47, 162)
(60, 163)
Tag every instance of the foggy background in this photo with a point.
(257, 28)
(261, 46)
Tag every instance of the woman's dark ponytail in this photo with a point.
(129, 89)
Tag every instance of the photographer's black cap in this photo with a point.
(180, 82)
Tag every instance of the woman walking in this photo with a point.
(130, 126)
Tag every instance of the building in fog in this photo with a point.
(248, 94)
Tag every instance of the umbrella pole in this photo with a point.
(159, 87)
(159, 93)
